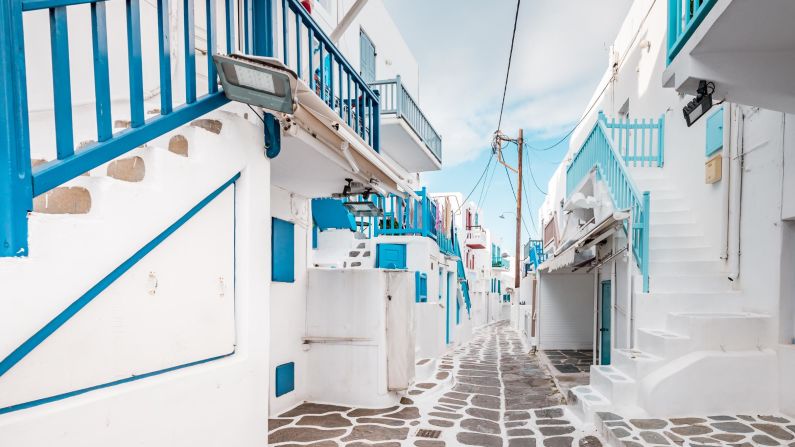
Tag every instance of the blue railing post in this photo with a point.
(645, 239)
(16, 189)
(376, 130)
(661, 141)
(398, 97)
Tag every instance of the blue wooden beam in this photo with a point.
(61, 83)
(164, 52)
(33, 5)
(134, 59)
(16, 187)
(189, 29)
(99, 42)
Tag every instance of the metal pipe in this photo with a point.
(738, 163)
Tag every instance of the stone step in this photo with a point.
(127, 169)
(673, 229)
(696, 267)
(64, 200)
(676, 254)
(584, 401)
(615, 386)
(661, 343)
(728, 331)
(689, 283)
(634, 363)
(656, 241)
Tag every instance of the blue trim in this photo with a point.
(135, 63)
(714, 132)
(420, 287)
(390, 256)
(33, 5)
(273, 136)
(164, 55)
(16, 188)
(99, 43)
(189, 38)
(36, 339)
(282, 250)
(62, 396)
(57, 172)
(262, 17)
(285, 378)
(61, 83)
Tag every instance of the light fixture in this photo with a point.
(363, 209)
(696, 108)
(257, 81)
(502, 216)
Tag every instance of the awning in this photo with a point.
(598, 233)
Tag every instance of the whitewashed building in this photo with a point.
(177, 267)
(671, 246)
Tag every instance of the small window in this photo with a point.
(283, 251)
(715, 132)
(421, 286)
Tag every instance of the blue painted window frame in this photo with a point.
(714, 133)
(285, 379)
(282, 250)
(421, 287)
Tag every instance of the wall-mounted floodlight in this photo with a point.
(259, 81)
(363, 209)
(699, 106)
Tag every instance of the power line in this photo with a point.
(510, 182)
(530, 168)
(510, 57)
(476, 183)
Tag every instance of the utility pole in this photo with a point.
(517, 273)
(496, 145)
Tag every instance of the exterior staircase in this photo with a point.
(695, 351)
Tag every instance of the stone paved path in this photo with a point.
(489, 392)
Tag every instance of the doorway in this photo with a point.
(605, 293)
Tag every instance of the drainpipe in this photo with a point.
(346, 21)
(597, 333)
(727, 180)
(735, 211)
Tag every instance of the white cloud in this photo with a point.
(462, 49)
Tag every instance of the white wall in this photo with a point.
(565, 313)
(288, 301)
(217, 402)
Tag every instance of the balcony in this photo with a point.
(406, 134)
(476, 238)
(746, 48)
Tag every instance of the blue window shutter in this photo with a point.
(715, 132)
(390, 256)
(421, 287)
(285, 378)
(367, 54)
(283, 251)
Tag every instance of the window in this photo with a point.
(282, 251)
(367, 57)
(421, 286)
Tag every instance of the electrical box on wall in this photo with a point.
(713, 169)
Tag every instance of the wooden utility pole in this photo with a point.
(518, 261)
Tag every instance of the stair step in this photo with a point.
(661, 343)
(689, 283)
(584, 401)
(127, 169)
(615, 386)
(726, 331)
(634, 363)
(673, 229)
(63, 200)
(656, 241)
(354, 254)
(682, 253)
(658, 267)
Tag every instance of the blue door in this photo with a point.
(367, 54)
(605, 327)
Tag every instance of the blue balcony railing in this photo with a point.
(534, 253)
(307, 50)
(396, 100)
(598, 153)
(684, 17)
(640, 143)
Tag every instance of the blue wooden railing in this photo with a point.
(598, 153)
(684, 17)
(396, 100)
(640, 143)
(534, 252)
(313, 56)
(334, 80)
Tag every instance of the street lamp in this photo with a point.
(257, 81)
(502, 216)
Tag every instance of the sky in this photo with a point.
(560, 54)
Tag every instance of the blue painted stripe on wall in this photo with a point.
(46, 400)
(30, 344)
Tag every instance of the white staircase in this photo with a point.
(696, 351)
(361, 255)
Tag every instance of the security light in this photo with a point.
(257, 81)
(363, 209)
(696, 108)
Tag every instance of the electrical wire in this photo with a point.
(255, 113)
(476, 184)
(513, 190)
(510, 57)
(533, 177)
